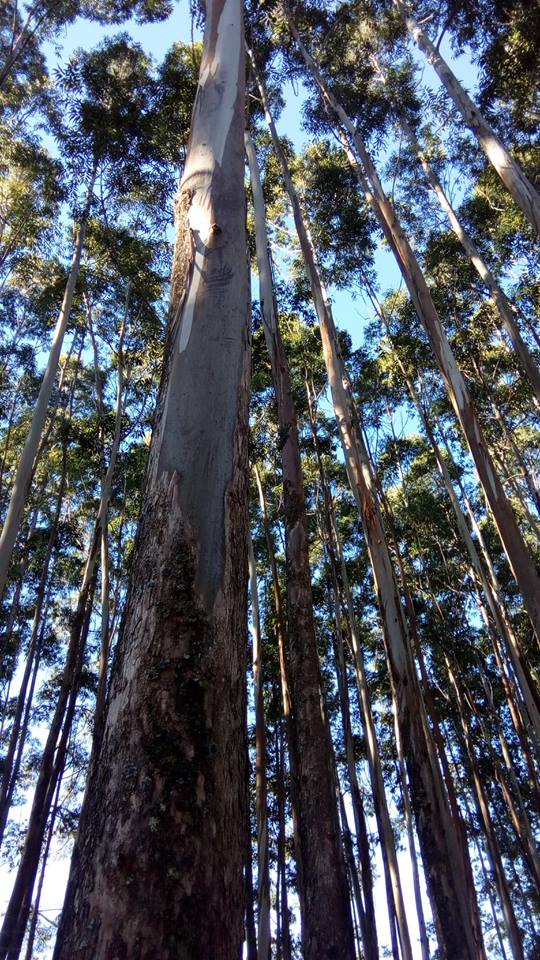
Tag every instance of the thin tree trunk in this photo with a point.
(487, 880)
(507, 168)
(284, 940)
(175, 731)
(45, 856)
(394, 894)
(366, 907)
(23, 476)
(516, 705)
(424, 942)
(263, 870)
(281, 635)
(326, 921)
(250, 931)
(106, 490)
(513, 798)
(516, 550)
(493, 596)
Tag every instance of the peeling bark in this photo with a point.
(161, 844)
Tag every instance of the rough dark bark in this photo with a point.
(261, 791)
(161, 845)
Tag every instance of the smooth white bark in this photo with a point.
(511, 174)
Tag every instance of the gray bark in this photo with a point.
(161, 844)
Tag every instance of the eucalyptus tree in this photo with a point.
(176, 714)
(443, 866)
(24, 30)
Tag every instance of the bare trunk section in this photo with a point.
(394, 895)
(324, 900)
(283, 935)
(161, 844)
(23, 476)
(440, 845)
(37, 900)
(263, 872)
(511, 174)
(516, 550)
(366, 907)
(103, 521)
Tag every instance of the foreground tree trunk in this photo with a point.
(502, 161)
(161, 845)
(324, 899)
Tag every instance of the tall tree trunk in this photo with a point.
(103, 520)
(402, 769)
(263, 870)
(324, 900)
(250, 931)
(441, 849)
(23, 476)
(394, 894)
(281, 636)
(366, 906)
(150, 878)
(511, 174)
(45, 856)
(487, 880)
(516, 550)
(284, 938)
